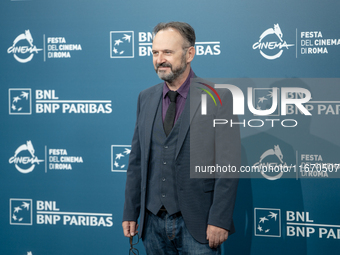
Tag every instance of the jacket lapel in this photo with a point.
(191, 106)
(151, 110)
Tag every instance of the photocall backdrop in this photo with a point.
(71, 72)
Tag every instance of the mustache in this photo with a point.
(163, 65)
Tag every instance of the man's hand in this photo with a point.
(216, 235)
(130, 228)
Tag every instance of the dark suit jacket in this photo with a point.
(204, 200)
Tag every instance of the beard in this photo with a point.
(174, 73)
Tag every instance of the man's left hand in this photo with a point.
(216, 235)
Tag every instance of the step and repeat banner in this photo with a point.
(70, 75)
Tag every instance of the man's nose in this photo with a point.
(160, 58)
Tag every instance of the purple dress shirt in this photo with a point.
(181, 98)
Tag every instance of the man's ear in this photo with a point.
(191, 54)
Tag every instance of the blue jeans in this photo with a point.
(167, 234)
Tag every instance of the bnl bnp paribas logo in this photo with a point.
(271, 44)
(267, 222)
(122, 45)
(23, 49)
(24, 158)
(20, 211)
(47, 213)
(120, 157)
(47, 101)
(20, 101)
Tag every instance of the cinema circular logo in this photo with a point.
(22, 52)
(271, 164)
(271, 48)
(24, 159)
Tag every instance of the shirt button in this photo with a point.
(163, 179)
(164, 163)
(166, 146)
(163, 195)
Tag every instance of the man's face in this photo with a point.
(169, 58)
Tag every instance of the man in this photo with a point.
(178, 214)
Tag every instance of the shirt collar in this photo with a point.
(183, 89)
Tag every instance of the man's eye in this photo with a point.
(167, 52)
(154, 53)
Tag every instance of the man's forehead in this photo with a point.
(168, 38)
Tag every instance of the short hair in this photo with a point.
(187, 32)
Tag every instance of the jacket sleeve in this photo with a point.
(227, 153)
(133, 177)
